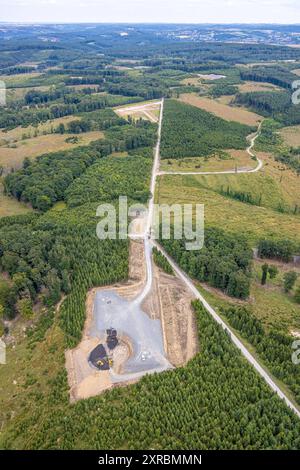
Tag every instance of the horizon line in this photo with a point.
(145, 23)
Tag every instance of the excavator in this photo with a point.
(106, 361)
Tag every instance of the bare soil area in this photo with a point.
(148, 111)
(169, 300)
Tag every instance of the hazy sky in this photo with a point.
(163, 11)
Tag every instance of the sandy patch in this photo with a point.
(170, 301)
(148, 111)
(296, 334)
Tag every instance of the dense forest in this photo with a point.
(265, 102)
(273, 347)
(188, 131)
(110, 178)
(223, 262)
(52, 253)
(277, 75)
(275, 104)
(282, 250)
(45, 180)
(216, 402)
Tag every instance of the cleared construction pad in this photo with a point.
(154, 336)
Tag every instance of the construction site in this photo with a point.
(124, 340)
(143, 326)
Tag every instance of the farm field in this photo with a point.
(229, 160)
(13, 157)
(16, 80)
(275, 186)
(291, 135)
(224, 111)
(195, 81)
(248, 86)
(31, 80)
(18, 133)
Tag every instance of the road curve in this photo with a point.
(149, 243)
(226, 172)
(189, 283)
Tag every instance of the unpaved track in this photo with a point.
(147, 233)
(232, 335)
(144, 109)
(189, 283)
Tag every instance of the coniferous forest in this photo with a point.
(79, 129)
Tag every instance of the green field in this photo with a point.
(275, 187)
(10, 206)
(237, 217)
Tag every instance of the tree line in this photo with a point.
(273, 347)
(54, 254)
(217, 401)
(281, 249)
(275, 104)
(224, 261)
(277, 75)
(10, 118)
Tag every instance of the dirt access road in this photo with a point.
(189, 283)
(249, 150)
(146, 110)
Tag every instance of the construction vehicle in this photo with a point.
(112, 339)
